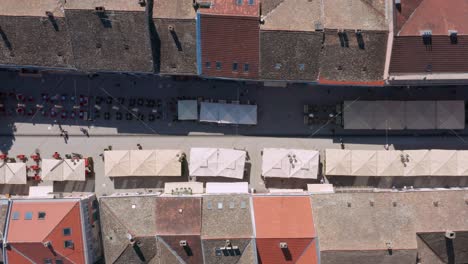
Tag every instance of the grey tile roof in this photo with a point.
(434, 246)
(124, 216)
(294, 15)
(245, 254)
(172, 252)
(368, 256)
(35, 41)
(112, 41)
(368, 221)
(343, 60)
(178, 50)
(226, 218)
(115, 5)
(176, 9)
(27, 8)
(355, 14)
(289, 55)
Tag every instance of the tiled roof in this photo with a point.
(283, 217)
(178, 216)
(414, 16)
(117, 226)
(368, 256)
(110, 41)
(288, 55)
(115, 5)
(299, 250)
(229, 40)
(28, 8)
(369, 221)
(171, 249)
(411, 55)
(344, 59)
(291, 15)
(34, 41)
(26, 237)
(174, 9)
(244, 255)
(249, 8)
(178, 47)
(442, 248)
(226, 216)
(355, 14)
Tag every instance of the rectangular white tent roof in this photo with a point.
(117, 163)
(290, 163)
(187, 109)
(161, 162)
(450, 114)
(63, 170)
(13, 173)
(227, 187)
(228, 113)
(216, 162)
(399, 115)
(420, 115)
(396, 163)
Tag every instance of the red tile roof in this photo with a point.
(436, 15)
(228, 40)
(26, 237)
(300, 250)
(283, 217)
(231, 8)
(410, 55)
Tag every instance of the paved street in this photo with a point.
(280, 110)
(280, 116)
(93, 146)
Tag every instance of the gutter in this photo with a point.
(5, 232)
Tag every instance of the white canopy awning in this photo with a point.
(450, 114)
(63, 170)
(420, 115)
(74, 170)
(117, 163)
(217, 162)
(162, 162)
(15, 173)
(290, 163)
(209, 112)
(407, 163)
(337, 162)
(389, 115)
(52, 169)
(364, 162)
(404, 115)
(187, 109)
(228, 113)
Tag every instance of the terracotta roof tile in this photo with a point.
(410, 55)
(283, 217)
(299, 250)
(435, 15)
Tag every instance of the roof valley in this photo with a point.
(409, 17)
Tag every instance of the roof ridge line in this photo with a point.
(59, 224)
(274, 9)
(115, 217)
(171, 250)
(373, 8)
(409, 17)
(428, 247)
(306, 248)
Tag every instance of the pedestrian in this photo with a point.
(342, 144)
(139, 146)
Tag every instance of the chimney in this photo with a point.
(450, 235)
(283, 245)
